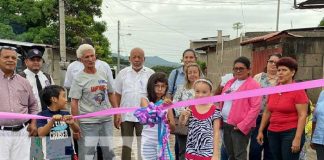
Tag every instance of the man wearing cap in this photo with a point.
(16, 97)
(35, 76)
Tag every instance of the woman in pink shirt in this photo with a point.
(239, 116)
(286, 114)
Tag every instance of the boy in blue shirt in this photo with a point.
(55, 132)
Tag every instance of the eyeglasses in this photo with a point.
(272, 62)
(160, 86)
(8, 47)
(238, 69)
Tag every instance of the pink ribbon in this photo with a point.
(212, 99)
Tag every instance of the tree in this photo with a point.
(38, 22)
(237, 26)
(322, 22)
(165, 69)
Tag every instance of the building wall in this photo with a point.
(52, 66)
(309, 53)
(221, 62)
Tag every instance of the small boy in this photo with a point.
(55, 132)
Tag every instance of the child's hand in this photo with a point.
(215, 158)
(167, 101)
(68, 119)
(184, 116)
(57, 117)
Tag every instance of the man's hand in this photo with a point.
(32, 128)
(117, 120)
(77, 136)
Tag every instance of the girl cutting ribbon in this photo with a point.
(155, 134)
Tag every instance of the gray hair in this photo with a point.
(84, 47)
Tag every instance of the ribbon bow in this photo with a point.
(154, 114)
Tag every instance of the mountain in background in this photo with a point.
(151, 61)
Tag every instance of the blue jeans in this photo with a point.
(255, 148)
(280, 144)
(223, 153)
(94, 134)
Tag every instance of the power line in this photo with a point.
(152, 19)
(204, 3)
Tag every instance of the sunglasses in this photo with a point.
(8, 47)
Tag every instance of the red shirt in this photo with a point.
(283, 110)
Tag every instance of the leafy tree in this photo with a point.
(322, 22)
(165, 69)
(38, 22)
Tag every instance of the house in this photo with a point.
(51, 56)
(306, 45)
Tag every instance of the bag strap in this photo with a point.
(23, 74)
(174, 80)
(48, 77)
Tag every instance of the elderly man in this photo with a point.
(89, 92)
(75, 67)
(38, 79)
(130, 87)
(16, 97)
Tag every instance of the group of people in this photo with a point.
(273, 124)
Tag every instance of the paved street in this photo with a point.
(311, 155)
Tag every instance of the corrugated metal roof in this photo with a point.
(267, 37)
(27, 44)
(311, 4)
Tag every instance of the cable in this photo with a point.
(152, 19)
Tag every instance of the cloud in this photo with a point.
(165, 27)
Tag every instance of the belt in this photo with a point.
(14, 128)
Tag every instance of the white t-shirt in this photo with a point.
(75, 67)
(131, 85)
(30, 76)
(228, 104)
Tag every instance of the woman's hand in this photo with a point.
(295, 147)
(260, 137)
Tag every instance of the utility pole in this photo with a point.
(237, 26)
(63, 62)
(278, 8)
(118, 47)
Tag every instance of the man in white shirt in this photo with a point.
(38, 79)
(130, 85)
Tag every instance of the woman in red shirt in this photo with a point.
(286, 114)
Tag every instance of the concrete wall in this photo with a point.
(309, 53)
(52, 66)
(221, 62)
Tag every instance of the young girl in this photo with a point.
(204, 122)
(157, 86)
(185, 92)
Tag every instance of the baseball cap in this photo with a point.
(34, 53)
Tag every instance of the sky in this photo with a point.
(165, 27)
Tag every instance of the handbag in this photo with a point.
(180, 129)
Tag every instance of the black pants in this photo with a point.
(319, 151)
